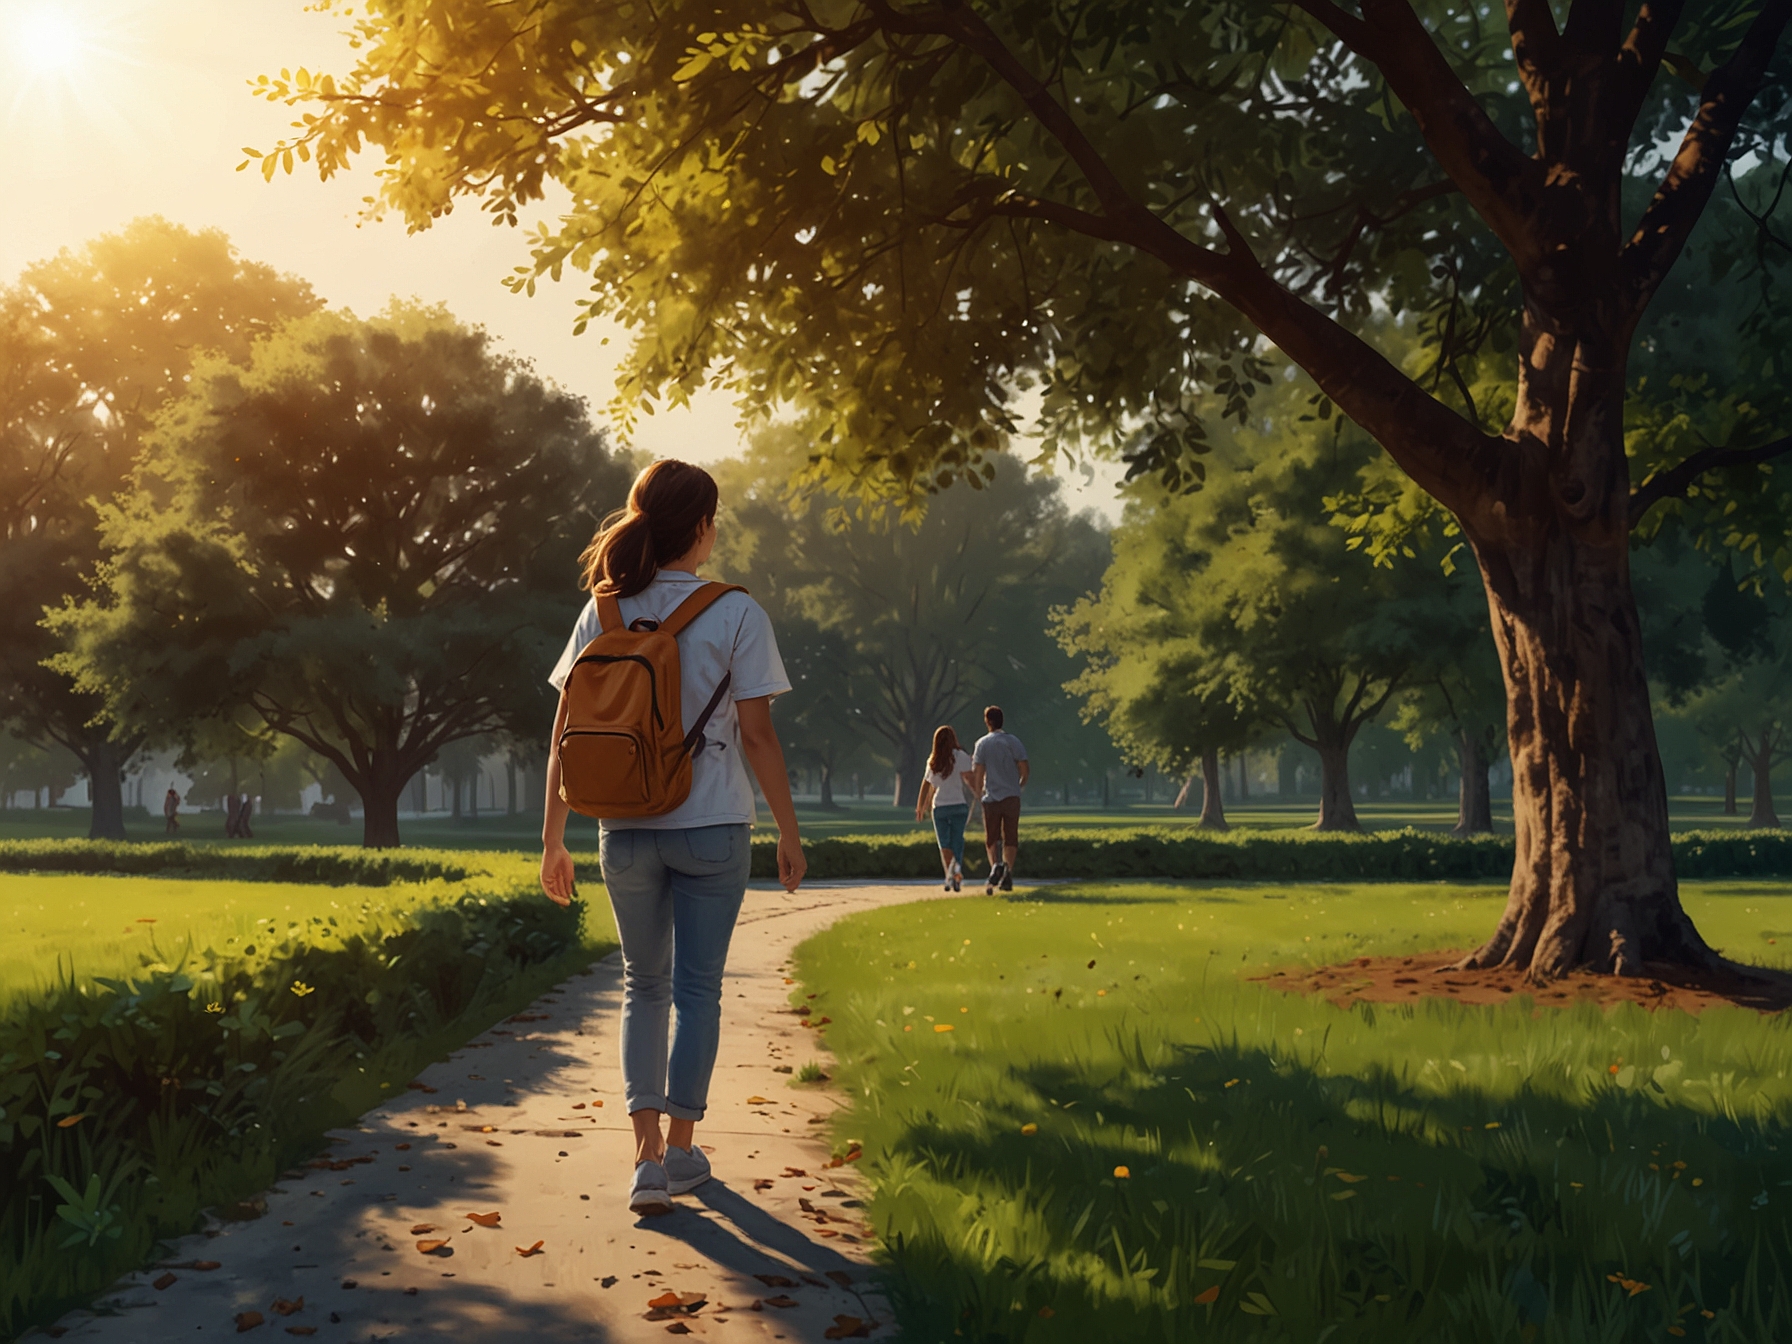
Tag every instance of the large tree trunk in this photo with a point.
(1761, 815)
(1593, 881)
(1474, 801)
(1213, 809)
(379, 818)
(1337, 810)
(105, 769)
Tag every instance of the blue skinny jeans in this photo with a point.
(676, 895)
(948, 828)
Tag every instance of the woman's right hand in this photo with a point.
(557, 874)
(791, 862)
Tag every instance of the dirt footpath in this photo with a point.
(525, 1128)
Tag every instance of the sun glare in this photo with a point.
(45, 39)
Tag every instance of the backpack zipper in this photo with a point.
(653, 687)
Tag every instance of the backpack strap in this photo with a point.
(694, 741)
(609, 613)
(694, 606)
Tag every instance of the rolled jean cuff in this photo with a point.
(650, 1102)
(664, 1107)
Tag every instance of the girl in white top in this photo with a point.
(947, 787)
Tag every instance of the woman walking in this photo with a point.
(947, 787)
(676, 880)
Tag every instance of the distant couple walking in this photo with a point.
(997, 769)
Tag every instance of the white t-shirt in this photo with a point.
(733, 636)
(950, 789)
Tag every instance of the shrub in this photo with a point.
(1283, 856)
(127, 1106)
(330, 865)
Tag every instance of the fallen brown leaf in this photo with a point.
(849, 1327)
(286, 1308)
(751, 1101)
(164, 1281)
(781, 1300)
(421, 1228)
(485, 1219)
(432, 1246)
(795, 1171)
(248, 1320)
(841, 1277)
(775, 1281)
(203, 1265)
(763, 1183)
(533, 1250)
(68, 1121)
(678, 1328)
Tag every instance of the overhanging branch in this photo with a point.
(1677, 480)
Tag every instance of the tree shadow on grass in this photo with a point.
(1220, 1193)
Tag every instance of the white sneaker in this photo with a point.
(648, 1194)
(686, 1169)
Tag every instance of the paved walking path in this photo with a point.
(527, 1122)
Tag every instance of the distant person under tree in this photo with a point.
(170, 811)
(1000, 774)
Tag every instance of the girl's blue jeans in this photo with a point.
(675, 895)
(948, 828)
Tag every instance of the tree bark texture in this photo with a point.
(1213, 808)
(1474, 801)
(105, 782)
(1593, 881)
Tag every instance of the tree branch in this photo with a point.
(1677, 480)
(1680, 201)
(1497, 178)
(1536, 45)
(1446, 455)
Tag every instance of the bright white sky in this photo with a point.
(110, 109)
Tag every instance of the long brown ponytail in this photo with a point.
(669, 503)
(945, 750)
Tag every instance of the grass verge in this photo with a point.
(1080, 1122)
(132, 1101)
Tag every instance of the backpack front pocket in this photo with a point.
(607, 769)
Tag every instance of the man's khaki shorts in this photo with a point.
(1001, 822)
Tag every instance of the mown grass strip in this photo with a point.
(131, 1102)
(1081, 1122)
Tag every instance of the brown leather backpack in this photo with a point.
(623, 751)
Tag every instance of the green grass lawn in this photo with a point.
(1213, 1159)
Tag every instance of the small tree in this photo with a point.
(366, 537)
(1247, 610)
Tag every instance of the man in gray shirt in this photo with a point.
(999, 773)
